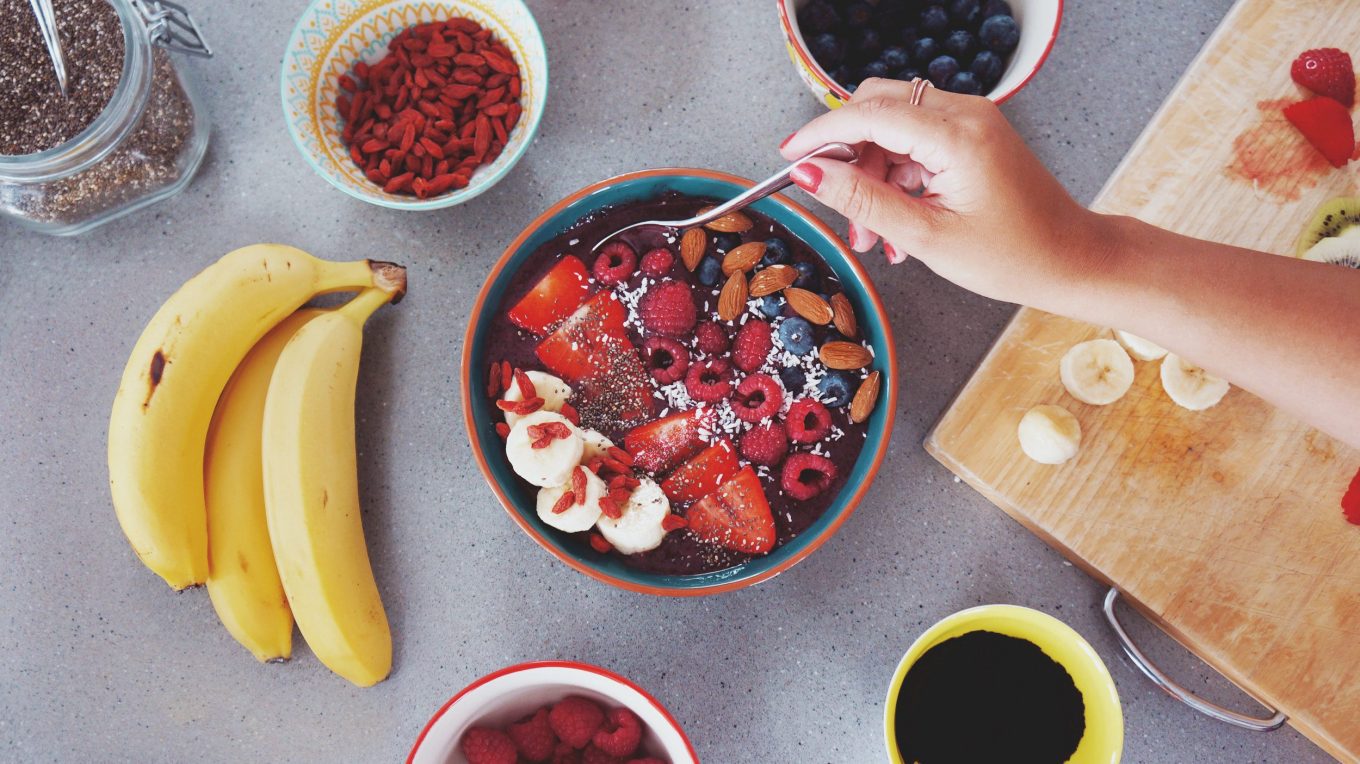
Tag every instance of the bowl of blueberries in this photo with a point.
(976, 47)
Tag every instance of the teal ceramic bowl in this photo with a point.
(519, 500)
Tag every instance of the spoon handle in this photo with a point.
(772, 185)
(47, 24)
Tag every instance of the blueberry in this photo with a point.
(966, 12)
(996, 8)
(959, 44)
(866, 43)
(709, 270)
(858, 14)
(794, 378)
(795, 334)
(772, 305)
(908, 37)
(892, 15)
(1000, 34)
(828, 49)
(895, 57)
(850, 87)
(965, 83)
(776, 251)
(836, 388)
(874, 69)
(987, 66)
(907, 75)
(726, 242)
(843, 74)
(934, 20)
(818, 16)
(806, 275)
(924, 51)
(941, 69)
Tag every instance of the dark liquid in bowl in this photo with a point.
(988, 697)
(681, 553)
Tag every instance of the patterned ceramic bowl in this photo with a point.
(332, 35)
(1039, 21)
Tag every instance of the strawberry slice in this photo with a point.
(591, 349)
(736, 516)
(1326, 72)
(702, 475)
(1327, 125)
(561, 290)
(660, 445)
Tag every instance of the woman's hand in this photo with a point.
(991, 218)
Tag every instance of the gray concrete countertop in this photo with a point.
(100, 661)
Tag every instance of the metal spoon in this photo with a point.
(774, 184)
(47, 23)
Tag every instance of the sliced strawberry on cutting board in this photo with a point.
(1327, 125)
(1327, 72)
(660, 445)
(560, 292)
(736, 516)
(703, 474)
(578, 348)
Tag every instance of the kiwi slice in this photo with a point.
(1332, 219)
(1340, 250)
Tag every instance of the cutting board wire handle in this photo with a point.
(1178, 692)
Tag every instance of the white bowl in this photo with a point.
(1038, 19)
(512, 693)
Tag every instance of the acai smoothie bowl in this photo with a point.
(678, 412)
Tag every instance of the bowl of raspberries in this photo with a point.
(989, 48)
(552, 711)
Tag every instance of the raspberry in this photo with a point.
(752, 346)
(710, 381)
(565, 754)
(667, 360)
(658, 262)
(575, 720)
(668, 308)
(487, 746)
(765, 444)
(808, 421)
(806, 475)
(534, 736)
(758, 397)
(712, 338)
(621, 734)
(593, 755)
(615, 263)
(1327, 72)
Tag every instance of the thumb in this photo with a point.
(869, 202)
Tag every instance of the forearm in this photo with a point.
(1285, 329)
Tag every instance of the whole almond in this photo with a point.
(865, 397)
(732, 299)
(808, 305)
(773, 279)
(845, 355)
(743, 257)
(692, 247)
(732, 222)
(844, 315)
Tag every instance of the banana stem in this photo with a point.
(362, 305)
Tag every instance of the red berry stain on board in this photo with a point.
(1273, 157)
(1350, 503)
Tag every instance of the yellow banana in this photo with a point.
(243, 581)
(312, 494)
(172, 382)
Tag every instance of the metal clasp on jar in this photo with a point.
(171, 27)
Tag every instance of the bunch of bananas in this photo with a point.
(231, 453)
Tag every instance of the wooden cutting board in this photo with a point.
(1224, 526)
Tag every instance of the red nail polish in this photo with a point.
(807, 176)
(786, 140)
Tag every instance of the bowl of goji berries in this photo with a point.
(414, 105)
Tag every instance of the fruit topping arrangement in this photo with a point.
(440, 104)
(574, 730)
(685, 402)
(961, 45)
(1325, 119)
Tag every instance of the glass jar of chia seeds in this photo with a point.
(129, 132)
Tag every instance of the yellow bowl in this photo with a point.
(1103, 741)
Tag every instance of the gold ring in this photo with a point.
(918, 89)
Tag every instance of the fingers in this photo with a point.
(874, 163)
(872, 203)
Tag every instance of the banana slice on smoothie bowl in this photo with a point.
(678, 412)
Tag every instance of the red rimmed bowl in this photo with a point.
(480, 416)
(1039, 21)
(504, 697)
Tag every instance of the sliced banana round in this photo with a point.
(581, 515)
(548, 466)
(596, 444)
(1189, 385)
(638, 527)
(1096, 372)
(552, 390)
(1049, 434)
(1139, 348)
